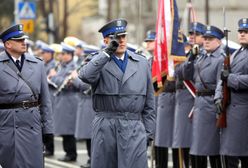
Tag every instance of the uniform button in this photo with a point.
(32, 127)
(136, 98)
(119, 131)
(16, 111)
(16, 126)
(234, 105)
(134, 131)
(31, 111)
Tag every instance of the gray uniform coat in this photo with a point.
(120, 142)
(85, 116)
(50, 65)
(184, 103)
(234, 138)
(66, 102)
(21, 129)
(165, 117)
(205, 138)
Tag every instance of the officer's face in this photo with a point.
(78, 51)
(46, 56)
(16, 46)
(66, 57)
(243, 37)
(150, 45)
(195, 38)
(211, 43)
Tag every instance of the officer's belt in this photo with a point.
(119, 115)
(205, 92)
(180, 86)
(23, 104)
(169, 90)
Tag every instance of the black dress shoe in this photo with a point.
(48, 153)
(67, 159)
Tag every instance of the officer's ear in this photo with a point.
(106, 40)
(7, 44)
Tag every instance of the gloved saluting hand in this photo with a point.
(194, 52)
(112, 47)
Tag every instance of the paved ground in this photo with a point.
(52, 162)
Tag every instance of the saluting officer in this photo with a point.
(164, 125)
(25, 106)
(205, 73)
(123, 100)
(234, 138)
(182, 131)
(196, 32)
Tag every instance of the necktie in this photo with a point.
(18, 65)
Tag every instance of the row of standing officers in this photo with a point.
(123, 103)
(189, 123)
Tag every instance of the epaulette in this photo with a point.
(38, 58)
(140, 54)
(94, 53)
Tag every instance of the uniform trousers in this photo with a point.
(233, 161)
(69, 145)
(88, 147)
(48, 140)
(201, 161)
(161, 157)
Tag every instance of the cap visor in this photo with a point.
(122, 33)
(19, 38)
(241, 29)
(209, 35)
(149, 40)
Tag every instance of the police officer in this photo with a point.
(182, 131)
(196, 32)
(47, 56)
(65, 108)
(123, 100)
(206, 73)
(234, 137)
(150, 44)
(25, 106)
(164, 125)
(85, 111)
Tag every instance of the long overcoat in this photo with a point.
(234, 138)
(165, 116)
(182, 132)
(21, 128)
(205, 137)
(66, 102)
(85, 115)
(120, 142)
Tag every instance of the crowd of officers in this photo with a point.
(185, 121)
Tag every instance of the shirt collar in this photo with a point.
(14, 59)
(121, 58)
